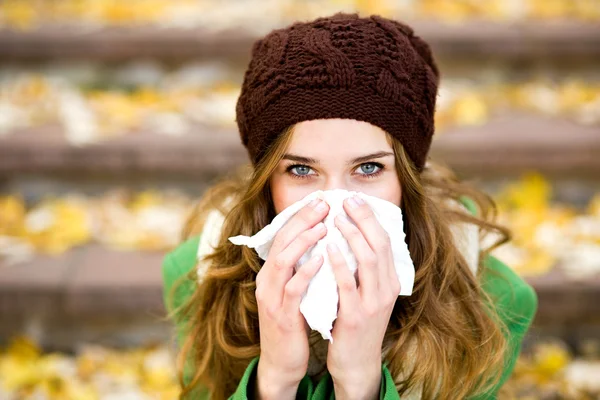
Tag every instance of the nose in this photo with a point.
(336, 183)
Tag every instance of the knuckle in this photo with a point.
(353, 232)
(352, 322)
(258, 280)
(370, 260)
(280, 241)
(384, 243)
(347, 285)
(395, 286)
(371, 309)
(280, 262)
(284, 324)
(271, 311)
(291, 290)
(307, 239)
(304, 274)
(383, 248)
(260, 296)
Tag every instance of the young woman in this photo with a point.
(343, 103)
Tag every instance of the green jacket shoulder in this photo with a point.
(178, 286)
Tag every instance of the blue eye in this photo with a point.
(369, 169)
(301, 170)
(366, 170)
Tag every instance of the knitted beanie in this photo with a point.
(367, 69)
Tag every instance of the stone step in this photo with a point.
(505, 145)
(115, 297)
(560, 39)
(88, 294)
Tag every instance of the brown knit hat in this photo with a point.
(368, 69)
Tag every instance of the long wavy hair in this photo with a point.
(446, 340)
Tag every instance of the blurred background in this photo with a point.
(116, 115)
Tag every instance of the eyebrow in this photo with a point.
(361, 159)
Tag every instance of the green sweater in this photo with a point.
(517, 304)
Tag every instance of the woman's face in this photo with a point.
(329, 154)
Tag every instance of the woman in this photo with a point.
(343, 102)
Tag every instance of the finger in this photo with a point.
(284, 262)
(345, 281)
(296, 287)
(366, 258)
(292, 253)
(367, 223)
(375, 235)
(304, 219)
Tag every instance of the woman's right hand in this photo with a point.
(284, 349)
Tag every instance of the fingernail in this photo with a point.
(314, 203)
(320, 226)
(332, 248)
(342, 218)
(353, 203)
(359, 200)
(321, 206)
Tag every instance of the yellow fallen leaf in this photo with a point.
(550, 359)
(23, 348)
(471, 109)
(148, 198)
(18, 364)
(19, 14)
(57, 225)
(12, 216)
(594, 206)
(532, 192)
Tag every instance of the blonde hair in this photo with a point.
(460, 339)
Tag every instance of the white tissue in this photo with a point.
(320, 303)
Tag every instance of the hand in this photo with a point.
(284, 349)
(354, 358)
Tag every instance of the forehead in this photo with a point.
(337, 136)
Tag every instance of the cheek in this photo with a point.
(396, 194)
(390, 192)
(387, 188)
(394, 190)
(285, 194)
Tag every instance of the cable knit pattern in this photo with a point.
(368, 69)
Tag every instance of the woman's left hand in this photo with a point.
(354, 358)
